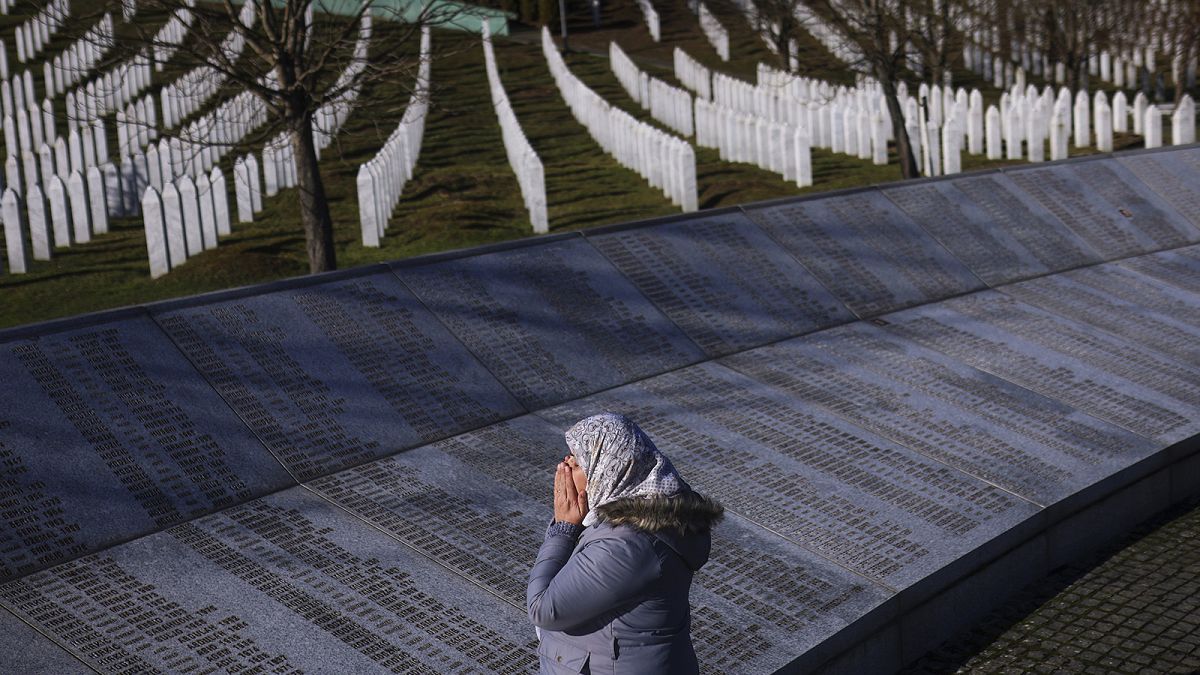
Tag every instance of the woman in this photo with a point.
(609, 590)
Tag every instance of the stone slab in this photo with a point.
(1023, 442)
(854, 498)
(723, 281)
(287, 582)
(1180, 267)
(993, 227)
(336, 374)
(107, 433)
(24, 650)
(867, 251)
(1174, 175)
(553, 321)
(758, 600)
(1121, 302)
(1105, 376)
(1107, 207)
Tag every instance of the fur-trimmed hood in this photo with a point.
(682, 522)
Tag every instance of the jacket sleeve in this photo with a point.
(567, 591)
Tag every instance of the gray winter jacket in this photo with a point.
(613, 598)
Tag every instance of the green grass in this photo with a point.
(463, 192)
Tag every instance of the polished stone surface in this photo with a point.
(552, 321)
(107, 433)
(1107, 206)
(993, 227)
(1023, 442)
(337, 374)
(287, 582)
(723, 281)
(1113, 379)
(867, 251)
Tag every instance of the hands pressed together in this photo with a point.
(570, 492)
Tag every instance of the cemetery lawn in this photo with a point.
(463, 192)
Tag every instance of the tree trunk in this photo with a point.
(904, 151)
(314, 207)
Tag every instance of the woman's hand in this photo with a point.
(570, 504)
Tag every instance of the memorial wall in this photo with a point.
(902, 396)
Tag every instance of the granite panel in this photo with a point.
(1101, 296)
(1180, 267)
(106, 433)
(24, 650)
(723, 281)
(553, 321)
(844, 493)
(479, 504)
(1107, 206)
(867, 251)
(1103, 375)
(1023, 442)
(993, 227)
(1174, 175)
(287, 583)
(340, 373)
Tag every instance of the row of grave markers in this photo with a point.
(666, 162)
(380, 181)
(192, 90)
(652, 21)
(717, 36)
(68, 212)
(185, 219)
(531, 176)
(670, 105)
(33, 34)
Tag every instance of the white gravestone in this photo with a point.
(100, 138)
(24, 135)
(155, 167)
(241, 189)
(112, 190)
(177, 245)
(166, 167)
(365, 185)
(1120, 113)
(45, 164)
(220, 200)
(14, 230)
(12, 173)
(81, 209)
(141, 174)
(208, 216)
(39, 228)
(11, 147)
(89, 147)
(1183, 122)
(75, 150)
(60, 211)
(270, 167)
(97, 200)
(255, 183)
(196, 241)
(129, 199)
(156, 234)
(1152, 126)
(992, 132)
(62, 159)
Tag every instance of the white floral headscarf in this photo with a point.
(620, 461)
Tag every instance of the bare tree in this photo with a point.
(872, 42)
(296, 57)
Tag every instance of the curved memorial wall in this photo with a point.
(912, 400)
